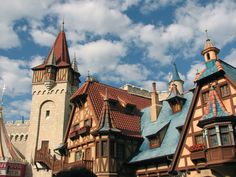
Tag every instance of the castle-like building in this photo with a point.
(125, 132)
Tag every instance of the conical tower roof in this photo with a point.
(175, 74)
(105, 121)
(209, 46)
(59, 52)
(7, 150)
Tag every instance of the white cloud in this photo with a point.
(17, 109)
(99, 56)
(16, 74)
(43, 38)
(148, 6)
(191, 74)
(92, 16)
(9, 38)
(231, 58)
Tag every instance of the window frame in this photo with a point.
(104, 148)
(224, 90)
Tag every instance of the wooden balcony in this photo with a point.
(49, 162)
(221, 154)
(43, 156)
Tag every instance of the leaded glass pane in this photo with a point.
(213, 141)
(225, 139)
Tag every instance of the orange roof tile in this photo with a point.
(128, 123)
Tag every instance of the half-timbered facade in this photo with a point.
(103, 131)
(207, 145)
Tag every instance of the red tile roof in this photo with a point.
(128, 123)
(60, 49)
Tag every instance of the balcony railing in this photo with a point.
(221, 154)
(79, 132)
(46, 160)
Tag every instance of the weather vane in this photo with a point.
(3, 90)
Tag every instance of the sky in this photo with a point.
(117, 41)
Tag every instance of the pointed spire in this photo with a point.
(2, 94)
(74, 64)
(175, 73)
(62, 25)
(105, 121)
(51, 59)
(60, 49)
(209, 51)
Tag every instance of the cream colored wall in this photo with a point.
(41, 128)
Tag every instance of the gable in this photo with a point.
(191, 133)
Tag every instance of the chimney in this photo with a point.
(156, 105)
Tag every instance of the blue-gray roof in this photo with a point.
(172, 136)
(211, 68)
(229, 70)
(175, 74)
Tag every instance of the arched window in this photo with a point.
(26, 137)
(16, 137)
(208, 56)
(21, 137)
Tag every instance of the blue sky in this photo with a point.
(119, 42)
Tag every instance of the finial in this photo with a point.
(75, 56)
(3, 90)
(106, 97)
(62, 25)
(207, 37)
(88, 74)
(169, 76)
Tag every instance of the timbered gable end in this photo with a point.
(193, 154)
(80, 141)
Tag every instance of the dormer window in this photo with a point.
(155, 140)
(176, 107)
(130, 109)
(88, 123)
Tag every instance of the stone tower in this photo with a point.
(53, 83)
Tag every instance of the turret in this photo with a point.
(210, 52)
(175, 79)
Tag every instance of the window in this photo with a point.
(205, 97)
(104, 148)
(199, 139)
(224, 135)
(47, 114)
(212, 137)
(176, 107)
(120, 152)
(97, 149)
(208, 56)
(112, 148)
(154, 142)
(88, 122)
(224, 90)
(78, 155)
(76, 127)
